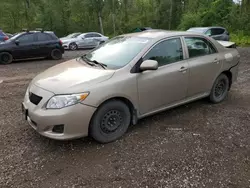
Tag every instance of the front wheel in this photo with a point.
(110, 122)
(220, 89)
(5, 58)
(73, 46)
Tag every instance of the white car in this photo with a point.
(85, 40)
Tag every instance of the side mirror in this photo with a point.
(17, 42)
(149, 65)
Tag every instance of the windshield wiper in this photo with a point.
(104, 66)
(86, 60)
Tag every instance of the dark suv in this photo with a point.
(31, 44)
(218, 33)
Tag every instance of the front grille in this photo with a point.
(35, 99)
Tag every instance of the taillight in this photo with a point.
(5, 38)
(60, 42)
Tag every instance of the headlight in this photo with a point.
(61, 101)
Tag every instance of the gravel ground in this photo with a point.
(196, 145)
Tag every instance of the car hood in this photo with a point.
(73, 76)
(69, 40)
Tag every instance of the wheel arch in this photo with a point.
(8, 51)
(229, 75)
(125, 100)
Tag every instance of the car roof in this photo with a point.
(158, 34)
(210, 27)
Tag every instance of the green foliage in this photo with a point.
(120, 16)
(240, 38)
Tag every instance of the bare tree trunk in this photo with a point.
(100, 22)
(170, 15)
(113, 16)
(27, 7)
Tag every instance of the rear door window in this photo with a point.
(43, 37)
(88, 35)
(95, 35)
(217, 31)
(199, 47)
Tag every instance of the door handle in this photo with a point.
(183, 69)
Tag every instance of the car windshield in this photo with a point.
(15, 36)
(73, 35)
(118, 52)
(198, 30)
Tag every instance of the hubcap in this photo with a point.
(73, 46)
(220, 88)
(5, 58)
(111, 121)
(57, 53)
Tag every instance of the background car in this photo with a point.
(31, 44)
(218, 33)
(85, 40)
(9, 35)
(140, 29)
(3, 36)
(72, 35)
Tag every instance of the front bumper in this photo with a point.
(74, 119)
(65, 46)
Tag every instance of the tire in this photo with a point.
(56, 54)
(73, 46)
(5, 58)
(220, 89)
(110, 122)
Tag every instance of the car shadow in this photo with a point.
(142, 126)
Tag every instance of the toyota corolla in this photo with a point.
(125, 79)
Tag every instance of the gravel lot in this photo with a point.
(196, 145)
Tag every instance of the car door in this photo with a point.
(97, 39)
(25, 47)
(87, 41)
(204, 65)
(167, 85)
(44, 44)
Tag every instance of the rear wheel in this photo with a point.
(56, 54)
(220, 89)
(5, 58)
(110, 122)
(73, 46)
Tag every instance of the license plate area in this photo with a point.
(25, 112)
